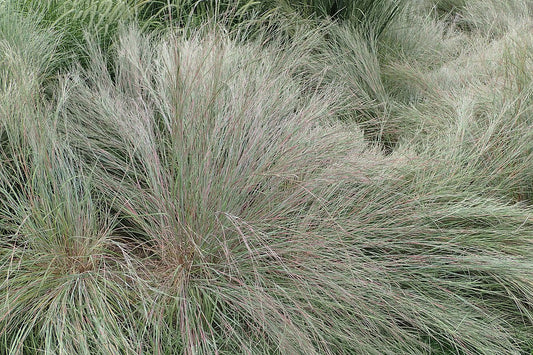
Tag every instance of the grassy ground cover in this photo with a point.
(266, 177)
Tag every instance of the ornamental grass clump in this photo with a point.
(262, 225)
(210, 171)
(64, 285)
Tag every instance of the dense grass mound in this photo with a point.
(336, 185)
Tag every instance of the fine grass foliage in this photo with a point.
(192, 185)
(213, 187)
(262, 221)
(61, 285)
